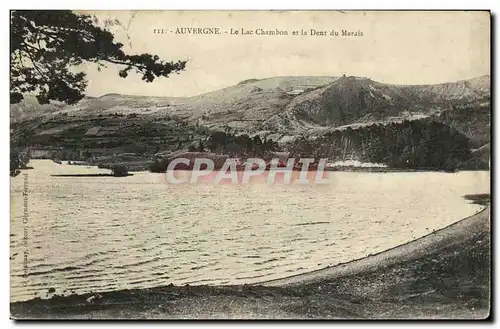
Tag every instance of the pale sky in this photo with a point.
(396, 47)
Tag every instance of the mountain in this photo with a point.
(351, 100)
(30, 108)
(220, 101)
(280, 108)
(288, 104)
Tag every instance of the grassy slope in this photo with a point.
(443, 275)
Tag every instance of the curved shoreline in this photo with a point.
(443, 275)
(409, 250)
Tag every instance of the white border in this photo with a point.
(191, 4)
(256, 4)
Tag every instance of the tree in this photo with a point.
(256, 140)
(87, 154)
(119, 170)
(201, 146)
(46, 45)
(192, 147)
(16, 163)
(217, 141)
(158, 166)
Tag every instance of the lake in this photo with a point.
(82, 234)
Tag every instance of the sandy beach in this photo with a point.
(444, 275)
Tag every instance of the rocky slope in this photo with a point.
(279, 108)
(269, 103)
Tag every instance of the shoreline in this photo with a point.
(444, 274)
(364, 169)
(409, 250)
(89, 175)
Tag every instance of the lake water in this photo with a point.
(81, 234)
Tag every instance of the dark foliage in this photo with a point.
(18, 160)
(415, 144)
(473, 121)
(159, 166)
(46, 44)
(119, 170)
(242, 145)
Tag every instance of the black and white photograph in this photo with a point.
(239, 164)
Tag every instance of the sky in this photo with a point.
(396, 47)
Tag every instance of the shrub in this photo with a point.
(119, 170)
(158, 166)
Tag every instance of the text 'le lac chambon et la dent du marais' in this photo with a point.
(258, 31)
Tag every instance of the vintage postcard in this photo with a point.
(250, 164)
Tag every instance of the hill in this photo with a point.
(281, 103)
(280, 109)
(351, 100)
